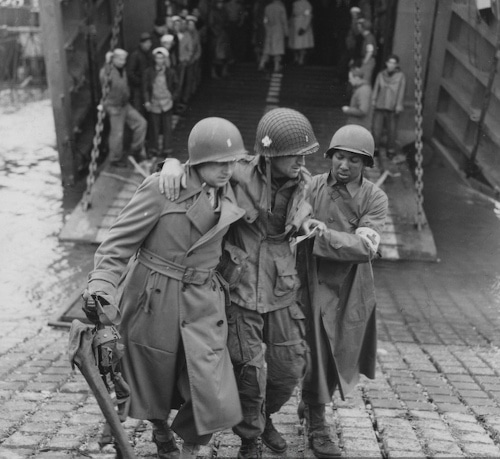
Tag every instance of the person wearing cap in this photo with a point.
(137, 63)
(266, 323)
(120, 111)
(218, 38)
(168, 41)
(368, 49)
(159, 29)
(160, 91)
(337, 280)
(359, 111)
(194, 67)
(186, 51)
(157, 264)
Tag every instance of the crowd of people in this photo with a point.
(160, 77)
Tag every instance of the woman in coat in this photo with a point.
(276, 30)
(301, 32)
(349, 214)
(172, 300)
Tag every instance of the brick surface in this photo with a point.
(446, 306)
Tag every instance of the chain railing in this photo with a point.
(94, 155)
(419, 172)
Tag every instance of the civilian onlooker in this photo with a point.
(194, 67)
(236, 20)
(160, 92)
(276, 31)
(301, 33)
(160, 29)
(168, 42)
(388, 96)
(139, 60)
(219, 40)
(258, 29)
(359, 111)
(353, 43)
(368, 49)
(186, 49)
(120, 112)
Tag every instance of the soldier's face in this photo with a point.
(287, 166)
(346, 166)
(216, 174)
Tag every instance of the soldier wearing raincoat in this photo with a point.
(172, 301)
(349, 214)
(266, 323)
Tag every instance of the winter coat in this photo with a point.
(137, 63)
(301, 19)
(119, 92)
(149, 78)
(339, 287)
(389, 91)
(260, 267)
(219, 38)
(360, 107)
(276, 25)
(165, 311)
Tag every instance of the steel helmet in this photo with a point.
(215, 139)
(353, 138)
(285, 132)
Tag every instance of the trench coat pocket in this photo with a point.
(232, 265)
(287, 279)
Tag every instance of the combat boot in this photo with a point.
(320, 440)
(272, 438)
(249, 449)
(189, 450)
(165, 441)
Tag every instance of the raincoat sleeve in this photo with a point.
(125, 236)
(349, 247)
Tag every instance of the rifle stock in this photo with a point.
(82, 356)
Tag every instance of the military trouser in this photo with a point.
(268, 352)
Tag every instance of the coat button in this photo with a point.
(183, 323)
(331, 219)
(220, 322)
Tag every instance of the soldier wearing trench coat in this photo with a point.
(173, 304)
(337, 275)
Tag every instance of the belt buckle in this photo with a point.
(187, 277)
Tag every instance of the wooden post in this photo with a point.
(57, 77)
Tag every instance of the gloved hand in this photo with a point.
(90, 307)
(301, 31)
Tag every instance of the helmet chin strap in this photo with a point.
(269, 186)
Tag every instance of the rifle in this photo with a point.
(96, 352)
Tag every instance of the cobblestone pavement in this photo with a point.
(437, 390)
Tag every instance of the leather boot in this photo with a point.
(249, 449)
(272, 438)
(320, 439)
(165, 441)
(189, 451)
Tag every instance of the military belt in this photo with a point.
(173, 270)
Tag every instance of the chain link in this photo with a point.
(94, 155)
(419, 172)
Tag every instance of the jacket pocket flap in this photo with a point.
(236, 254)
(285, 266)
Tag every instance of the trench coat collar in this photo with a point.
(229, 210)
(352, 187)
